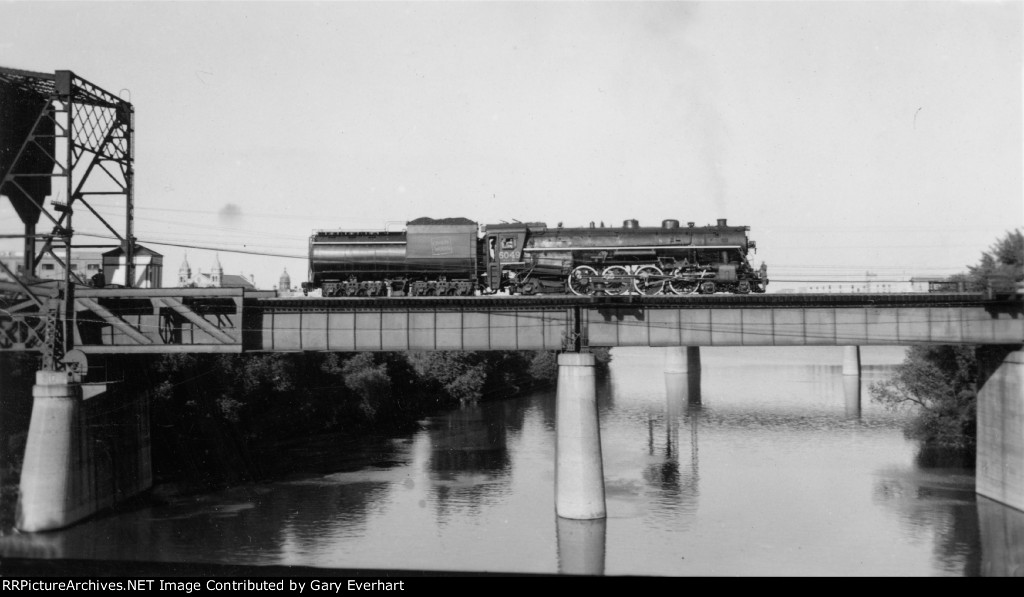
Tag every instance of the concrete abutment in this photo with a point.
(1000, 453)
(87, 449)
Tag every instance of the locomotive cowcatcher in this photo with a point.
(458, 257)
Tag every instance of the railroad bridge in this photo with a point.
(132, 321)
(111, 321)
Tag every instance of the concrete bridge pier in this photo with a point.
(682, 359)
(51, 486)
(851, 380)
(1000, 453)
(682, 374)
(579, 468)
(852, 392)
(87, 449)
(851, 360)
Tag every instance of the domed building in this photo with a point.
(284, 284)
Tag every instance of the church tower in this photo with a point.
(184, 272)
(217, 275)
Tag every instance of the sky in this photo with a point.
(851, 137)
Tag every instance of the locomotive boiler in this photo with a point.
(456, 257)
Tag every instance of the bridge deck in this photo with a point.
(231, 320)
(550, 323)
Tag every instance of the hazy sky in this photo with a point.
(850, 136)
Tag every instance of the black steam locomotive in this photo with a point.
(458, 257)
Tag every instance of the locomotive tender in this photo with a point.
(458, 257)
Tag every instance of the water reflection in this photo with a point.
(935, 501)
(469, 457)
(581, 545)
(760, 467)
(674, 468)
(1002, 538)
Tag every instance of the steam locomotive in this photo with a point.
(458, 257)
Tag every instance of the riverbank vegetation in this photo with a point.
(941, 382)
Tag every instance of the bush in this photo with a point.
(939, 381)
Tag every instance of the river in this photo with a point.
(778, 471)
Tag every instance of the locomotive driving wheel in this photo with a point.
(616, 280)
(680, 285)
(581, 280)
(649, 280)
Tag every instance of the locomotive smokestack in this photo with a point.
(721, 222)
(630, 224)
(670, 224)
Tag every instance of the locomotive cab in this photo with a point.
(503, 254)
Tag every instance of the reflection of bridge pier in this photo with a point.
(581, 545)
(682, 400)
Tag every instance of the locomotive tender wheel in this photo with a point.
(616, 280)
(649, 280)
(581, 280)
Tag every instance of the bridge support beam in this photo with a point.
(579, 469)
(1000, 454)
(851, 380)
(87, 450)
(682, 359)
(851, 360)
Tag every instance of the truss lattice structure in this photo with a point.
(64, 142)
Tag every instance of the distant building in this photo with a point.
(149, 268)
(13, 261)
(215, 278)
(935, 284)
(84, 264)
(87, 264)
(873, 286)
(284, 284)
